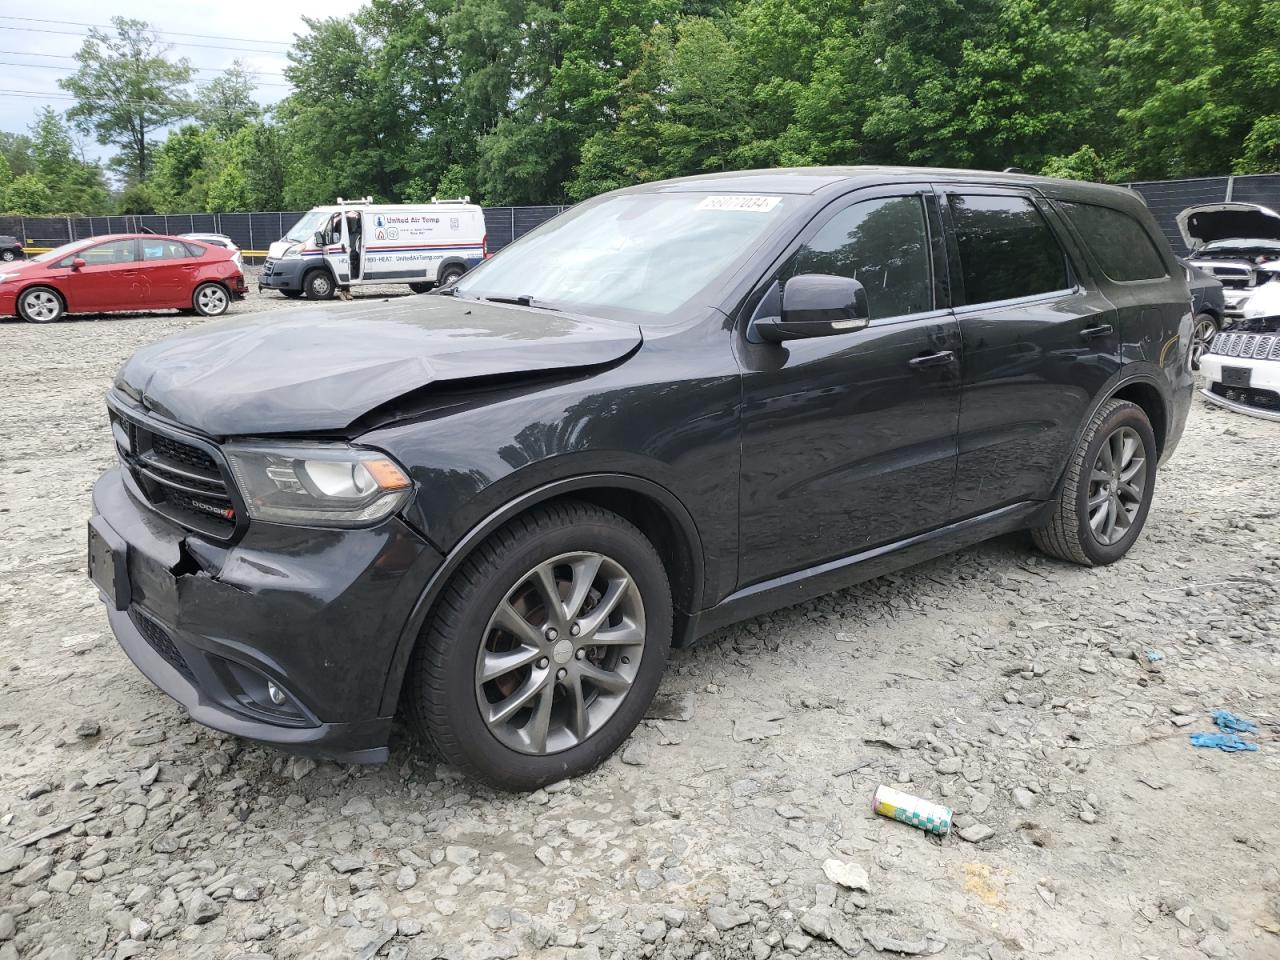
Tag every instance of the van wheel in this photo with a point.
(318, 285)
(545, 648)
(1107, 491)
(420, 287)
(292, 294)
(450, 275)
(210, 300)
(40, 305)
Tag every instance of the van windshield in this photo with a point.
(652, 253)
(303, 230)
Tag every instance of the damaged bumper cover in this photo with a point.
(255, 638)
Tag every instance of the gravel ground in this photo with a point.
(1048, 704)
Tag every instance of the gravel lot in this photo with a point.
(1048, 704)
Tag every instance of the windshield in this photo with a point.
(303, 230)
(647, 252)
(58, 253)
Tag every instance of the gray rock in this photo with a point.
(347, 864)
(727, 917)
(636, 753)
(647, 879)
(949, 765)
(61, 881)
(674, 706)
(653, 932)
(145, 738)
(10, 858)
(976, 833)
(848, 875)
(88, 728)
(546, 856)
(1023, 798)
(889, 944)
(459, 855)
(8, 927)
(202, 908)
(33, 872)
(406, 878)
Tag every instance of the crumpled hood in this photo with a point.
(1227, 221)
(318, 369)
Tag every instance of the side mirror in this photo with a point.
(77, 263)
(319, 238)
(817, 305)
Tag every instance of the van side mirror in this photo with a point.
(319, 238)
(817, 305)
(77, 263)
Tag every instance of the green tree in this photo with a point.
(181, 171)
(28, 195)
(1261, 152)
(125, 89)
(226, 103)
(16, 150)
(77, 185)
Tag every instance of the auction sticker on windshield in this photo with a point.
(749, 202)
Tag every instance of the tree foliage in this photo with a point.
(126, 87)
(548, 101)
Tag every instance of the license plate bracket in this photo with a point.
(1236, 376)
(108, 564)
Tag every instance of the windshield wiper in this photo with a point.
(524, 300)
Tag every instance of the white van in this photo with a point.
(357, 242)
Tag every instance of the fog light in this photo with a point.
(275, 693)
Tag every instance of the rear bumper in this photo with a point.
(318, 613)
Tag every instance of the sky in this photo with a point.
(37, 40)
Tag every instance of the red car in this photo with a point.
(122, 272)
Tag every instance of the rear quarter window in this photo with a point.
(1123, 248)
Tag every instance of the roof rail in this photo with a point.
(352, 202)
(466, 199)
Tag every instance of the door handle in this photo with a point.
(933, 359)
(1102, 330)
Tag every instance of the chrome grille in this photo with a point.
(1247, 346)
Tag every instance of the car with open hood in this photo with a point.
(1232, 241)
(495, 508)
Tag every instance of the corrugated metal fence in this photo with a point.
(254, 231)
(251, 231)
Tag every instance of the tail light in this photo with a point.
(484, 246)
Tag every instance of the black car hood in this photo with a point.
(319, 369)
(1227, 221)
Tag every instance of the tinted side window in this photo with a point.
(1006, 248)
(1122, 247)
(883, 244)
(158, 249)
(113, 251)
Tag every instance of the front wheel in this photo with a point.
(1203, 331)
(1107, 491)
(292, 294)
(8, 256)
(318, 285)
(545, 648)
(211, 300)
(40, 305)
(417, 287)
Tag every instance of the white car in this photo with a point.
(1243, 363)
(1235, 242)
(219, 240)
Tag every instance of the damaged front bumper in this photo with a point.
(1243, 384)
(284, 637)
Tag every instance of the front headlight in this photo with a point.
(291, 252)
(318, 485)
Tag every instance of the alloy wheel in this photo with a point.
(211, 300)
(560, 653)
(1117, 485)
(8, 256)
(41, 306)
(1202, 336)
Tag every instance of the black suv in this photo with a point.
(670, 408)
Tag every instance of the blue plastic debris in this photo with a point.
(1228, 722)
(1154, 656)
(1223, 741)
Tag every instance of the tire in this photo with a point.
(420, 287)
(210, 300)
(318, 285)
(450, 275)
(1069, 534)
(41, 305)
(444, 688)
(1203, 329)
(292, 294)
(8, 256)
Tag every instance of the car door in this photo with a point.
(105, 280)
(1040, 342)
(849, 441)
(166, 273)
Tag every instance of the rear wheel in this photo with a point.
(211, 300)
(450, 274)
(1107, 491)
(318, 285)
(292, 294)
(8, 256)
(1204, 329)
(545, 649)
(420, 287)
(40, 305)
